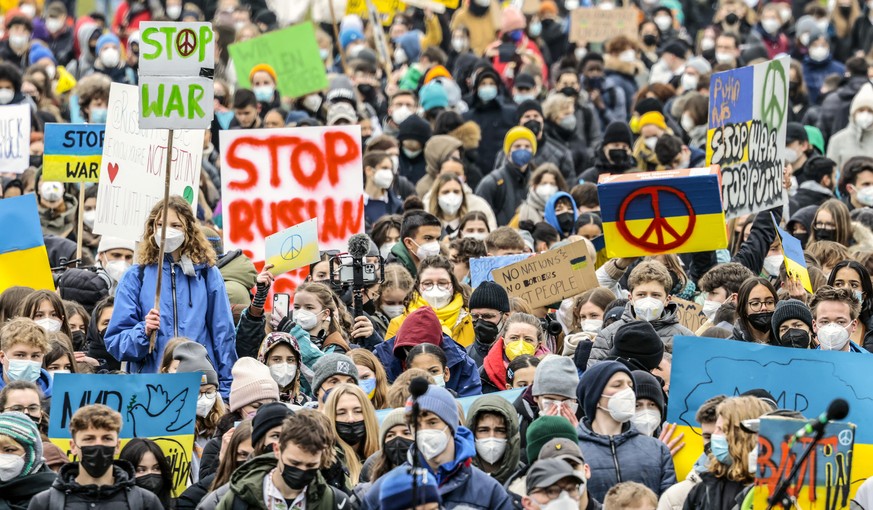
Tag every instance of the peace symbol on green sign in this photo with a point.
(774, 100)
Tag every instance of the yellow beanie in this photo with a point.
(516, 133)
(267, 68)
(653, 118)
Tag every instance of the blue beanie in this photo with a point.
(39, 52)
(396, 490)
(107, 39)
(440, 402)
(593, 381)
(411, 44)
(350, 35)
(433, 95)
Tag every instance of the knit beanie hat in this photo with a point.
(646, 386)
(433, 95)
(332, 364)
(699, 64)
(107, 39)
(791, 309)
(639, 341)
(544, 429)
(192, 357)
(490, 295)
(21, 429)
(114, 243)
(555, 375)
(39, 52)
(618, 132)
(649, 104)
(349, 35)
(517, 133)
(526, 106)
(420, 327)
(511, 19)
(440, 402)
(414, 128)
(267, 68)
(864, 98)
(251, 382)
(395, 493)
(267, 417)
(438, 71)
(391, 420)
(653, 119)
(593, 381)
(411, 44)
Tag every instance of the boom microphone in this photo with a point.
(837, 410)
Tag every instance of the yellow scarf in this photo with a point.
(455, 324)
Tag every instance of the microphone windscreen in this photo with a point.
(359, 245)
(418, 387)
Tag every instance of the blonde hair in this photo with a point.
(340, 320)
(740, 443)
(523, 318)
(398, 392)
(22, 330)
(650, 271)
(169, 349)
(629, 495)
(396, 277)
(206, 426)
(434, 204)
(371, 425)
(196, 247)
(366, 358)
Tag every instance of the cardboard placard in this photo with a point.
(293, 54)
(690, 313)
(293, 247)
(592, 24)
(748, 117)
(73, 152)
(14, 138)
(132, 168)
(672, 211)
(551, 276)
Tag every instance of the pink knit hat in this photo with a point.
(512, 19)
(251, 382)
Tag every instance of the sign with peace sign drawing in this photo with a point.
(748, 116)
(177, 61)
(674, 211)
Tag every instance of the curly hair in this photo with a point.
(740, 443)
(94, 86)
(195, 246)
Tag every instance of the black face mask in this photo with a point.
(569, 92)
(396, 450)
(761, 321)
(618, 156)
(566, 221)
(96, 460)
(153, 483)
(803, 238)
(707, 448)
(797, 338)
(793, 88)
(370, 307)
(367, 90)
(78, 340)
(36, 161)
(535, 126)
(845, 10)
(731, 18)
(825, 234)
(650, 40)
(296, 478)
(486, 331)
(352, 433)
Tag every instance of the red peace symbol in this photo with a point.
(659, 224)
(186, 42)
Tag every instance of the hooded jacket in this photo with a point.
(603, 166)
(400, 255)
(82, 66)
(203, 315)
(494, 118)
(44, 381)
(626, 457)
(470, 136)
(15, 494)
(123, 493)
(814, 74)
(528, 411)
(461, 485)
(667, 326)
(239, 276)
(482, 23)
(549, 151)
(834, 112)
(495, 404)
(97, 348)
(552, 218)
(627, 76)
(59, 223)
(505, 189)
(809, 193)
(852, 140)
(438, 149)
(463, 373)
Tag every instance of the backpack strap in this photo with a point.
(340, 499)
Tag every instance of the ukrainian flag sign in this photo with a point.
(651, 213)
(792, 250)
(23, 258)
(73, 152)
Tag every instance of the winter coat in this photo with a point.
(714, 494)
(477, 352)
(625, 75)
(463, 373)
(532, 209)
(850, 142)
(482, 23)
(194, 494)
(626, 457)
(239, 275)
(523, 45)
(572, 140)
(82, 66)
(528, 411)
(603, 166)
(862, 31)
(552, 219)
(97, 348)
(461, 485)
(44, 382)
(775, 44)
(667, 326)
(505, 189)
(61, 45)
(59, 223)
(834, 113)
(509, 462)
(437, 150)
(548, 151)
(411, 168)
(470, 135)
(615, 108)
(809, 193)
(123, 493)
(212, 499)
(814, 74)
(400, 255)
(375, 208)
(16, 494)
(209, 322)
(494, 118)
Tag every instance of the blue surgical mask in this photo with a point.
(98, 115)
(521, 157)
(487, 92)
(719, 446)
(23, 370)
(859, 295)
(369, 387)
(264, 94)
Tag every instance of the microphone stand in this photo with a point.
(358, 286)
(415, 453)
(780, 496)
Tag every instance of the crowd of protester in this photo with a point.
(484, 134)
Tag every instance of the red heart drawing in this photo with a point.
(113, 171)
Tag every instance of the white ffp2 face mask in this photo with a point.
(647, 421)
(490, 449)
(648, 309)
(431, 442)
(622, 405)
(175, 239)
(204, 405)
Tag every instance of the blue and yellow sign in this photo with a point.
(73, 152)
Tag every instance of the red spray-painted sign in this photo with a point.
(272, 179)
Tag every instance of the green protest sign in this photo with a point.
(291, 52)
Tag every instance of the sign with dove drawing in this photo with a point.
(161, 407)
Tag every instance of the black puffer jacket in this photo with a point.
(16, 494)
(714, 494)
(835, 109)
(604, 166)
(124, 493)
(548, 151)
(505, 189)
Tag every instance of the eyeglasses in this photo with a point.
(208, 393)
(32, 409)
(755, 306)
(555, 491)
(440, 285)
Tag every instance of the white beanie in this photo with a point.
(863, 98)
(251, 382)
(114, 243)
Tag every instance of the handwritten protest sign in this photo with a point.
(276, 178)
(748, 110)
(804, 380)
(132, 168)
(551, 276)
(480, 268)
(23, 257)
(673, 211)
(824, 480)
(690, 314)
(177, 61)
(293, 247)
(14, 138)
(73, 152)
(795, 262)
(293, 53)
(386, 9)
(160, 407)
(592, 24)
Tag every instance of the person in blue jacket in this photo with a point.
(193, 300)
(423, 327)
(446, 449)
(561, 212)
